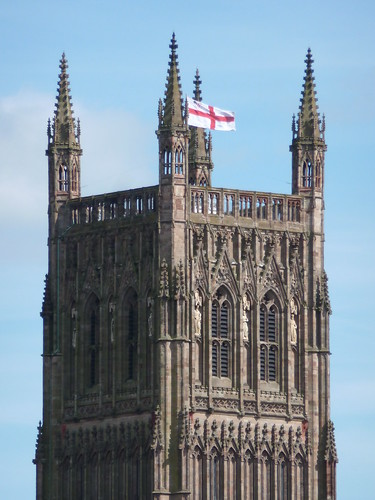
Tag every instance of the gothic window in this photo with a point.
(106, 480)
(93, 478)
(63, 178)
(283, 478)
(122, 487)
(214, 476)
(167, 162)
(249, 475)
(268, 337)
(231, 480)
(197, 473)
(266, 477)
(92, 341)
(307, 174)
(299, 478)
(221, 324)
(179, 161)
(130, 337)
(80, 478)
(65, 479)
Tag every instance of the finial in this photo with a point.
(172, 112)
(78, 131)
(294, 126)
(49, 130)
(197, 91)
(323, 128)
(160, 111)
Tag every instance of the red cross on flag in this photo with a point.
(205, 116)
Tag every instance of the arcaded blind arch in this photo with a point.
(129, 334)
(221, 334)
(92, 341)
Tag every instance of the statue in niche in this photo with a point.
(293, 323)
(150, 326)
(112, 308)
(74, 332)
(197, 315)
(245, 317)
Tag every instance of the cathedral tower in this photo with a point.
(186, 327)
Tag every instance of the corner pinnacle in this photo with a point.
(173, 97)
(64, 126)
(308, 115)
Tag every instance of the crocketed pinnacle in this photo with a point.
(173, 98)
(308, 118)
(198, 147)
(64, 127)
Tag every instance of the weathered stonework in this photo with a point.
(186, 327)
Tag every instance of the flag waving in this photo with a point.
(205, 116)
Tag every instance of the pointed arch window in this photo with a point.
(167, 162)
(307, 174)
(63, 178)
(268, 337)
(283, 478)
(214, 476)
(221, 325)
(266, 477)
(179, 161)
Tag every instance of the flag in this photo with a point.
(205, 116)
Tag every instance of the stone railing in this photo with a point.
(250, 205)
(119, 205)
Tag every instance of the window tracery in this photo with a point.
(221, 325)
(269, 341)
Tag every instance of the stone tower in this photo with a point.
(186, 327)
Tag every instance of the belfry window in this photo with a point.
(268, 337)
(307, 174)
(63, 178)
(221, 336)
(167, 162)
(179, 162)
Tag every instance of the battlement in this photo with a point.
(220, 202)
(117, 205)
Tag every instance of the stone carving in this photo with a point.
(197, 315)
(245, 317)
(164, 280)
(74, 332)
(293, 323)
(179, 281)
(150, 320)
(112, 309)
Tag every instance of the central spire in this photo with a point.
(173, 97)
(64, 126)
(308, 119)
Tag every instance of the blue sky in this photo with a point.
(251, 60)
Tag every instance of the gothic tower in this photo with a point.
(186, 327)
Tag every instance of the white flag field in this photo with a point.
(205, 116)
